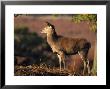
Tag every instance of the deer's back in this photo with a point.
(72, 45)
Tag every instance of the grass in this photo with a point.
(41, 70)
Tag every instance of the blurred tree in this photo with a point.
(92, 21)
(21, 30)
(90, 18)
(30, 44)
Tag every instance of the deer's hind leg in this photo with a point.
(83, 55)
(84, 63)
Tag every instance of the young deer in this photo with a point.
(64, 46)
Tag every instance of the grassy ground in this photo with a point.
(42, 70)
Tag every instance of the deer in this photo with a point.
(64, 46)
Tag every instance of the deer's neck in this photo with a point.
(51, 38)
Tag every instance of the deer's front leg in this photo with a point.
(62, 55)
(59, 60)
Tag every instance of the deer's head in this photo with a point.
(49, 29)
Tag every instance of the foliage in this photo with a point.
(29, 45)
(91, 18)
(55, 15)
(21, 30)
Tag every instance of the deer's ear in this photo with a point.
(48, 23)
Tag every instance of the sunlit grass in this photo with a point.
(41, 70)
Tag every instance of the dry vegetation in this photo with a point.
(41, 70)
(44, 70)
